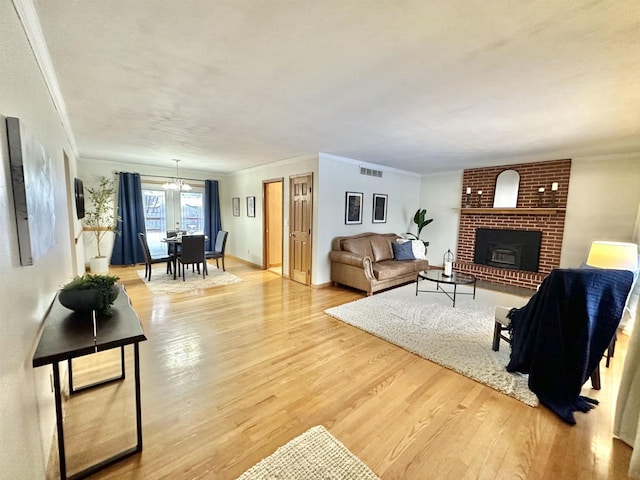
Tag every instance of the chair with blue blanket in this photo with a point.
(560, 335)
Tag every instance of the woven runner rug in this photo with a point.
(457, 338)
(164, 284)
(314, 455)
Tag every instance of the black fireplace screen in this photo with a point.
(514, 249)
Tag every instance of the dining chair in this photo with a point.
(192, 253)
(218, 249)
(172, 246)
(149, 260)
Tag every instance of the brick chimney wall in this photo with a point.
(532, 177)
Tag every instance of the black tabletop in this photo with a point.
(67, 334)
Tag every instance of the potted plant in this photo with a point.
(420, 222)
(100, 218)
(90, 292)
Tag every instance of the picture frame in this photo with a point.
(379, 214)
(353, 208)
(235, 206)
(32, 185)
(78, 188)
(251, 206)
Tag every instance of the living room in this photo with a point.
(602, 203)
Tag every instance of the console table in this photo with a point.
(67, 335)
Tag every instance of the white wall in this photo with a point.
(604, 194)
(89, 169)
(27, 416)
(338, 175)
(440, 195)
(245, 233)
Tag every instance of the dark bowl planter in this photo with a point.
(86, 300)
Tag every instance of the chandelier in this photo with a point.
(178, 184)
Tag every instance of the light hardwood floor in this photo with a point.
(231, 373)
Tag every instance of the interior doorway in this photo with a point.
(273, 205)
(300, 227)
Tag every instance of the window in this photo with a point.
(155, 218)
(170, 210)
(192, 216)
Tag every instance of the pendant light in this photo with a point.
(178, 184)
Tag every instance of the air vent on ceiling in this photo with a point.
(370, 172)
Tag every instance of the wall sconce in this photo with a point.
(554, 194)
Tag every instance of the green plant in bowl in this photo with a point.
(90, 292)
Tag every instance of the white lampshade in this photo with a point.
(613, 255)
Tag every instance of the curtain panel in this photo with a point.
(212, 220)
(126, 246)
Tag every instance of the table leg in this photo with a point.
(73, 390)
(454, 294)
(136, 361)
(58, 400)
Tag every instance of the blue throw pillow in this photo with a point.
(402, 251)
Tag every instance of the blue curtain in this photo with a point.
(126, 247)
(212, 221)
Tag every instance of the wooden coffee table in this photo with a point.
(439, 278)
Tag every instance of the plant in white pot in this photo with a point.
(100, 218)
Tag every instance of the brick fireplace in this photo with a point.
(535, 212)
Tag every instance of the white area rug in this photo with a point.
(163, 284)
(314, 455)
(457, 338)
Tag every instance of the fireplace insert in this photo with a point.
(513, 249)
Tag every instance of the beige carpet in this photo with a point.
(163, 284)
(314, 455)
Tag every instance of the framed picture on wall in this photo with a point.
(353, 208)
(235, 202)
(78, 188)
(251, 206)
(379, 208)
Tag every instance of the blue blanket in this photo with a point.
(559, 337)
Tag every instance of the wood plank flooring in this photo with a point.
(231, 373)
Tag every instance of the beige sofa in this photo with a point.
(366, 262)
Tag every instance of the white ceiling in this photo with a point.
(424, 86)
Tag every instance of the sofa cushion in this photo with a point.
(359, 246)
(388, 269)
(381, 247)
(402, 251)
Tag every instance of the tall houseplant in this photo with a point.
(420, 222)
(100, 218)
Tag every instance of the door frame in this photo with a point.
(265, 252)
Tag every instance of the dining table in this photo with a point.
(174, 244)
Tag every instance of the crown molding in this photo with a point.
(28, 16)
